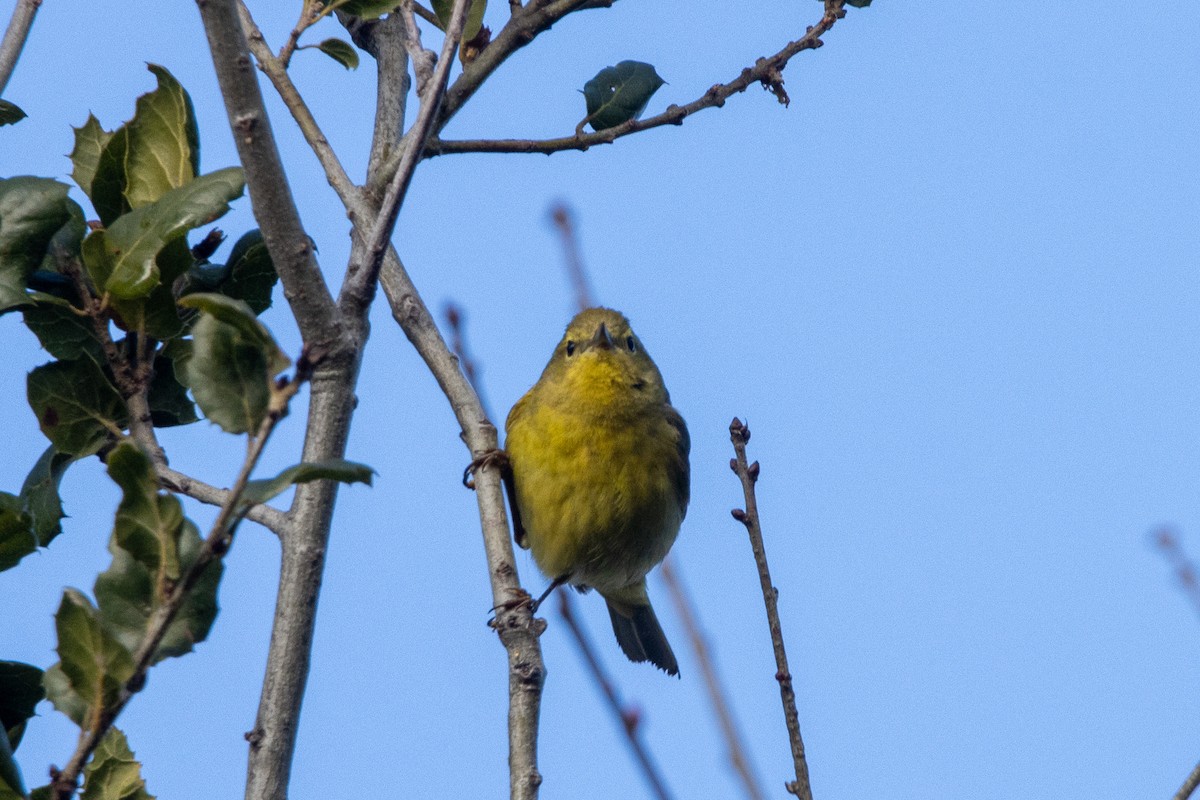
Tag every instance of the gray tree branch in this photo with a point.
(14, 38)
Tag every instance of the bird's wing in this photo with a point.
(681, 470)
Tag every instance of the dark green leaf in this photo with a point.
(148, 522)
(32, 210)
(341, 52)
(128, 593)
(39, 494)
(20, 692)
(10, 113)
(164, 146)
(95, 664)
(11, 785)
(858, 3)
(90, 140)
(232, 362)
(619, 94)
(77, 408)
(114, 773)
(369, 9)
(169, 403)
(108, 181)
(17, 539)
(62, 332)
(252, 274)
(334, 469)
(443, 9)
(123, 259)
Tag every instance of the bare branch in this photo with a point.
(630, 718)
(359, 286)
(717, 695)
(514, 623)
(564, 220)
(1167, 541)
(216, 545)
(1189, 785)
(172, 480)
(748, 474)
(766, 71)
(387, 44)
(14, 38)
(274, 209)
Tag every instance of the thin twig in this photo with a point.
(717, 695)
(14, 38)
(1167, 541)
(270, 518)
(458, 342)
(359, 286)
(629, 718)
(739, 434)
(215, 546)
(1189, 785)
(564, 220)
(766, 71)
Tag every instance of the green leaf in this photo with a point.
(169, 402)
(20, 692)
(252, 274)
(59, 692)
(341, 52)
(619, 94)
(114, 773)
(232, 363)
(32, 210)
(128, 593)
(77, 408)
(334, 469)
(147, 523)
(10, 113)
(17, 538)
(123, 259)
(369, 9)
(95, 664)
(443, 9)
(39, 494)
(107, 191)
(63, 333)
(90, 140)
(858, 3)
(164, 144)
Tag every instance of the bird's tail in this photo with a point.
(637, 629)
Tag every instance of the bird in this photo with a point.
(598, 474)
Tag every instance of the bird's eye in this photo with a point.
(570, 348)
(632, 346)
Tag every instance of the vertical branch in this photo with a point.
(629, 718)
(717, 694)
(14, 38)
(748, 474)
(564, 220)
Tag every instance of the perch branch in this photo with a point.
(767, 71)
(748, 475)
(14, 38)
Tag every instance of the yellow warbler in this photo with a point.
(599, 469)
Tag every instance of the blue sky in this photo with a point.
(953, 288)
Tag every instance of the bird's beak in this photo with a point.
(601, 339)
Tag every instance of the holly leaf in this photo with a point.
(39, 494)
(114, 773)
(77, 408)
(20, 692)
(17, 539)
(164, 144)
(252, 274)
(62, 332)
(123, 258)
(169, 402)
(96, 666)
(10, 113)
(335, 469)
(32, 210)
(341, 52)
(90, 141)
(619, 94)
